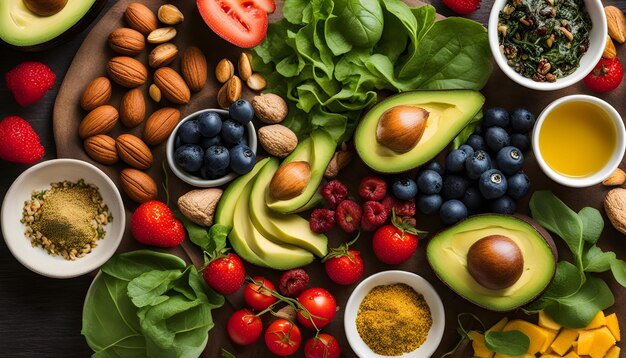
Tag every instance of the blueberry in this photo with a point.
(189, 157)
(518, 186)
(496, 116)
(474, 200)
(467, 149)
(522, 121)
(208, 173)
(429, 182)
(241, 111)
(429, 204)
(177, 142)
(189, 133)
(477, 142)
(492, 184)
(434, 166)
(520, 141)
(242, 159)
(510, 160)
(216, 161)
(209, 124)
(404, 189)
(232, 132)
(455, 161)
(477, 164)
(452, 211)
(454, 187)
(503, 205)
(478, 129)
(496, 138)
(205, 143)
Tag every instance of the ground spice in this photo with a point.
(393, 319)
(66, 219)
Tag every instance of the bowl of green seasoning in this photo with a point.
(62, 218)
(394, 313)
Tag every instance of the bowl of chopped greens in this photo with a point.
(547, 44)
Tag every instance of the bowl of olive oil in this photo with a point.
(579, 140)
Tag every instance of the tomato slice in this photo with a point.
(240, 22)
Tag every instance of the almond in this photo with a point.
(127, 72)
(290, 180)
(618, 177)
(199, 205)
(140, 18)
(244, 66)
(97, 93)
(100, 120)
(234, 89)
(139, 186)
(194, 68)
(222, 100)
(162, 35)
(127, 41)
(270, 108)
(609, 49)
(133, 151)
(616, 22)
(133, 108)
(162, 55)
(101, 148)
(224, 70)
(172, 86)
(155, 93)
(257, 82)
(277, 140)
(160, 125)
(170, 15)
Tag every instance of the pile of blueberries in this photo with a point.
(483, 175)
(210, 146)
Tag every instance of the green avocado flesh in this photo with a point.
(317, 150)
(21, 27)
(449, 112)
(447, 255)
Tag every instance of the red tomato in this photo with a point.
(392, 246)
(345, 269)
(259, 298)
(320, 303)
(244, 327)
(282, 337)
(240, 22)
(322, 346)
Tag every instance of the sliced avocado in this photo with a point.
(318, 151)
(448, 113)
(281, 228)
(447, 254)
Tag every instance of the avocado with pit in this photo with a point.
(498, 262)
(407, 130)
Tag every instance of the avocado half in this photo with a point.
(23, 30)
(449, 111)
(447, 254)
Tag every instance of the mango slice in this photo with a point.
(596, 342)
(564, 341)
(613, 352)
(598, 321)
(613, 326)
(478, 344)
(546, 322)
(571, 354)
(499, 325)
(538, 335)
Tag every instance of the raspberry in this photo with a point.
(405, 208)
(334, 192)
(20, 143)
(374, 215)
(322, 220)
(389, 202)
(293, 282)
(372, 188)
(348, 216)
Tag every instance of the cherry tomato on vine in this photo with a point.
(259, 298)
(244, 327)
(321, 305)
(282, 337)
(322, 346)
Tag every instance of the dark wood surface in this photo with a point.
(41, 316)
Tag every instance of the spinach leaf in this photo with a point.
(596, 260)
(512, 343)
(461, 138)
(361, 21)
(593, 224)
(294, 11)
(148, 288)
(132, 264)
(618, 268)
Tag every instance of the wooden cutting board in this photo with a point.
(90, 62)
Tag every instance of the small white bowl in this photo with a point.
(597, 41)
(196, 180)
(40, 177)
(421, 286)
(610, 166)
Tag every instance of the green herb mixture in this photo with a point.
(328, 58)
(544, 39)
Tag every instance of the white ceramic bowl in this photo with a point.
(196, 180)
(610, 166)
(597, 42)
(421, 286)
(40, 177)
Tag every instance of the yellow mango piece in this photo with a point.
(538, 335)
(546, 322)
(498, 355)
(499, 325)
(478, 343)
(571, 354)
(550, 356)
(613, 352)
(551, 335)
(598, 321)
(585, 341)
(613, 325)
(595, 342)
(564, 341)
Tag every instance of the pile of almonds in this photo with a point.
(232, 84)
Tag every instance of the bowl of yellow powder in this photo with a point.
(63, 218)
(394, 314)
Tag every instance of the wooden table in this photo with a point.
(41, 316)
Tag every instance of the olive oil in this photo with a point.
(577, 139)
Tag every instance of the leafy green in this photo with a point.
(593, 224)
(512, 343)
(596, 260)
(461, 138)
(618, 268)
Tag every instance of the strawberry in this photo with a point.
(372, 188)
(348, 216)
(396, 242)
(606, 76)
(29, 82)
(334, 192)
(154, 224)
(225, 274)
(20, 143)
(374, 215)
(322, 220)
(463, 7)
(344, 266)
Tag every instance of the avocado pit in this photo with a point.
(45, 7)
(400, 128)
(496, 262)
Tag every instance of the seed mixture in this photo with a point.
(68, 219)
(393, 319)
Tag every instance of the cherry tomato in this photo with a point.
(282, 337)
(322, 346)
(321, 305)
(244, 327)
(259, 298)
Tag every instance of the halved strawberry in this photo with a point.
(240, 22)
